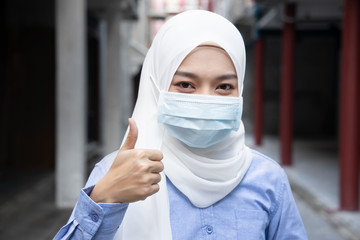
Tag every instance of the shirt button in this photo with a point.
(94, 217)
(209, 229)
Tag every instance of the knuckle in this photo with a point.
(161, 166)
(155, 188)
(140, 154)
(158, 167)
(147, 191)
(161, 155)
(143, 166)
(143, 180)
(157, 178)
(142, 197)
(144, 193)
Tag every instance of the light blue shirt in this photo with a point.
(260, 207)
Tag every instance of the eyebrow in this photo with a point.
(194, 76)
(227, 77)
(186, 74)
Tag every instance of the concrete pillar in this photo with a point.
(102, 77)
(118, 83)
(126, 62)
(70, 100)
(112, 110)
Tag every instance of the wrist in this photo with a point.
(99, 196)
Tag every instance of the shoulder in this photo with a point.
(264, 173)
(263, 164)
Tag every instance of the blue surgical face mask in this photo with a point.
(199, 121)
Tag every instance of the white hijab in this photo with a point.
(205, 176)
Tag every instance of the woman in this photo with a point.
(183, 171)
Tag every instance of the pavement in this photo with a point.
(314, 178)
(28, 211)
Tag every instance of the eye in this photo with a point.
(225, 87)
(185, 85)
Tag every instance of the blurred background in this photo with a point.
(69, 83)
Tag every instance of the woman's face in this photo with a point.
(206, 70)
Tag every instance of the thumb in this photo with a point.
(131, 137)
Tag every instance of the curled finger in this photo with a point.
(157, 167)
(154, 188)
(156, 178)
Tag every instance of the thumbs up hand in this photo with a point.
(134, 174)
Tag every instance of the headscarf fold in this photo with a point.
(205, 176)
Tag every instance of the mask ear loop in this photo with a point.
(156, 88)
(157, 95)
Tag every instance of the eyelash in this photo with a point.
(180, 84)
(189, 86)
(228, 86)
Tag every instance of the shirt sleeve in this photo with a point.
(90, 220)
(286, 221)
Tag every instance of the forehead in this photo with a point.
(210, 55)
